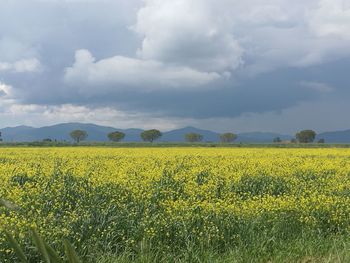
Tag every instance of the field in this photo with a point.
(179, 204)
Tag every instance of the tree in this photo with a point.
(193, 137)
(0, 137)
(228, 137)
(321, 141)
(293, 140)
(150, 135)
(277, 140)
(116, 136)
(78, 135)
(306, 136)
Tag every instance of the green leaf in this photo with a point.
(40, 245)
(70, 253)
(19, 252)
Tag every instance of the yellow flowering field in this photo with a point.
(111, 200)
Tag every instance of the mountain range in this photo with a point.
(60, 132)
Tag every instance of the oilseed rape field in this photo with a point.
(179, 204)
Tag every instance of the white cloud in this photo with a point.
(280, 34)
(188, 33)
(191, 43)
(122, 73)
(331, 19)
(40, 115)
(6, 98)
(104, 116)
(5, 90)
(22, 65)
(185, 45)
(27, 65)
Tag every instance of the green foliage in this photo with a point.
(53, 255)
(78, 135)
(21, 179)
(306, 136)
(228, 137)
(18, 250)
(321, 141)
(193, 137)
(261, 185)
(116, 136)
(307, 249)
(7, 204)
(277, 140)
(41, 246)
(150, 135)
(48, 254)
(108, 219)
(70, 253)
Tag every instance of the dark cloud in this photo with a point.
(196, 60)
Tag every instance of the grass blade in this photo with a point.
(19, 252)
(55, 258)
(40, 245)
(70, 253)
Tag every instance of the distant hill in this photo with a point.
(60, 132)
(261, 137)
(179, 135)
(335, 136)
(210, 136)
(14, 133)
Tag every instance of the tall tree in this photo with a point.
(306, 136)
(193, 137)
(78, 135)
(116, 136)
(228, 137)
(150, 135)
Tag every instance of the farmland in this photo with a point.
(179, 204)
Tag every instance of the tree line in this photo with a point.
(150, 136)
(305, 136)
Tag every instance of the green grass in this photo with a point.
(311, 249)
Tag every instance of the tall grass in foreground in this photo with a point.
(47, 253)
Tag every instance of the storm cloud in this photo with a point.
(169, 63)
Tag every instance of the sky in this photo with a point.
(223, 65)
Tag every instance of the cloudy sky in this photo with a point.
(224, 65)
